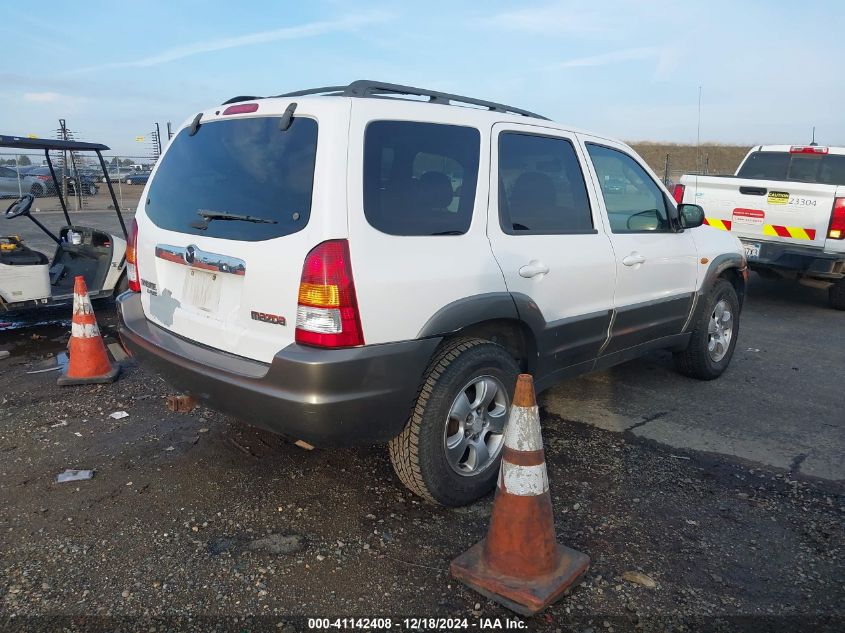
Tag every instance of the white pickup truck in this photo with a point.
(787, 206)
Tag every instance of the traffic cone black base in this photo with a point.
(110, 376)
(525, 597)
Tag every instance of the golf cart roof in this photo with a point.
(19, 142)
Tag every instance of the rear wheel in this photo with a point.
(36, 191)
(836, 295)
(450, 449)
(714, 334)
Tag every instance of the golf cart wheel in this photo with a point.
(450, 449)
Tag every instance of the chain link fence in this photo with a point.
(80, 180)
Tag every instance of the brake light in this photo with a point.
(241, 108)
(42, 177)
(132, 274)
(327, 311)
(808, 149)
(678, 193)
(837, 220)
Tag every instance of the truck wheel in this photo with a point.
(450, 449)
(714, 334)
(836, 295)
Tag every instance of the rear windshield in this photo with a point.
(244, 166)
(823, 169)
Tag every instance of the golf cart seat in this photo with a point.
(19, 254)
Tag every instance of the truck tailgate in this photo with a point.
(789, 212)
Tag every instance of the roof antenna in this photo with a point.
(813, 142)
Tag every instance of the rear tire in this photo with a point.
(464, 368)
(709, 353)
(836, 295)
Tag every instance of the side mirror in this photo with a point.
(690, 215)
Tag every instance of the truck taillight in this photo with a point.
(678, 193)
(327, 311)
(132, 274)
(837, 221)
(808, 149)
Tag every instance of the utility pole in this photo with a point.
(169, 131)
(158, 139)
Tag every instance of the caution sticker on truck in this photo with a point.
(752, 217)
(778, 197)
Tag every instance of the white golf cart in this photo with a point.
(30, 279)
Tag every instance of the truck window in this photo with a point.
(541, 187)
(823, 169)
(237, 166)
(634, 202)
(420, 178)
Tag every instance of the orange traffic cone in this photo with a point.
(519, 564)
(89, 362)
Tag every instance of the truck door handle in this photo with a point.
(753, 191)
(533, 268)
(633, 259)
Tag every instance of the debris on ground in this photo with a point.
(4, 354)
(118, 415)
(639, 578)
(278, 543)
(74, 475)
(181, 403)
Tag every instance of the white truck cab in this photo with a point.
(787, 205)
(353, 265)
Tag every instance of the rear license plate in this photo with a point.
(202, 290)
(752, 249)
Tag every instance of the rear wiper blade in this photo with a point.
(208, 216)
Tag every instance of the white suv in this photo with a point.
(353, 265)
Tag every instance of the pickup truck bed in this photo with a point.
(787, 206)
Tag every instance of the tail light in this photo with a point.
(678, 193)
(837, 220)
(327, 313)
(42, 177)
(808, 149)
(132, 274)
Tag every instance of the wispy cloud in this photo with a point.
(44, 97)
(614, 57)
(567, 17)
(301, 31)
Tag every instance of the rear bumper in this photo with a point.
(810, 262)
(359, 395)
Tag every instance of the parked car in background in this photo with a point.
(115, 174)
(13, 185)
(42, 174)
(137, 178)
(787, 205)
(386, 279)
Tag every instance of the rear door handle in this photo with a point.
(633, 259)
(533, 268)
(753, 191)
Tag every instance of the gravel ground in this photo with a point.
(196, 521)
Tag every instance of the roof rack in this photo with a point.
(377, 89)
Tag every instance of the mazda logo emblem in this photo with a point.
(190, 253)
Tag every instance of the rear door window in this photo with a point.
(541, 186)
(243, 166)
(420, 178)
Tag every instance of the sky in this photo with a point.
(768, 70)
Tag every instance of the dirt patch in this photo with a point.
(182, 529)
